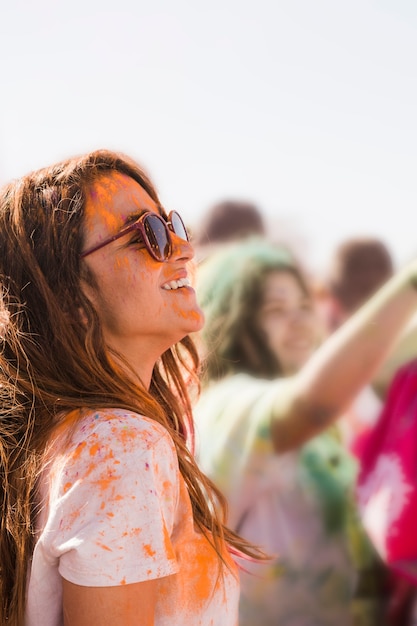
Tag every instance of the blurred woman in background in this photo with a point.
(265, 421)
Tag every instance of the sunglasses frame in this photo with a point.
(139, 226)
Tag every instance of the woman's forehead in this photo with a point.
(114, 196)
(281, 283)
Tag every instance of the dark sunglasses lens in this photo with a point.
(158, 237)
(178, 226)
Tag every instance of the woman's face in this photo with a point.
(288, 319)
(142, 311)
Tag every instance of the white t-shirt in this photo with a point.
(116, 510)
(295, 505)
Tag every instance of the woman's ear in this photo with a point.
(82, 315)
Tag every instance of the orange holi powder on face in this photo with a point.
(190, 314)
(99, 198)
(110, 200)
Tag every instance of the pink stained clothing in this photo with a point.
(387, 485)
(117, 511)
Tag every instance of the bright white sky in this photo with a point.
(306, 107)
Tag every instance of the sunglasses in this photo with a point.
(155, 233)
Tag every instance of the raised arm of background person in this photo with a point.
(125, 605)
(405, 350)
(313, 398)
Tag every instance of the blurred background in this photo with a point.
(306, 108)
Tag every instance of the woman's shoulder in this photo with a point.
(241, 389)
(112, 427)
(120, 419)
(237, 382)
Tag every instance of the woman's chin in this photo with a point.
(195, 320)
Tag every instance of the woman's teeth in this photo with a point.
(175, 284)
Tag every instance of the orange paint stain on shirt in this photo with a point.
(104, 483)
(70, 520)
(67, 486)
(78, 450)
(166, 485)
(205, 586)
(127, 436)
(148, 549)
(94, 449)
(103, 546)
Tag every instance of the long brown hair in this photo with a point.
(53, 358)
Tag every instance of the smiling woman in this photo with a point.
(127, 262)
(105, 516)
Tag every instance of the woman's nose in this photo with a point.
(301, 317)
(181, 248)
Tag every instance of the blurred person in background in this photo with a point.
(265, 423)
(357, 267)
(226, 221)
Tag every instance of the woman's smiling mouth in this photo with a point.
(176, 284)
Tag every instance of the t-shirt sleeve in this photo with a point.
(234, 439)
(113, 498)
